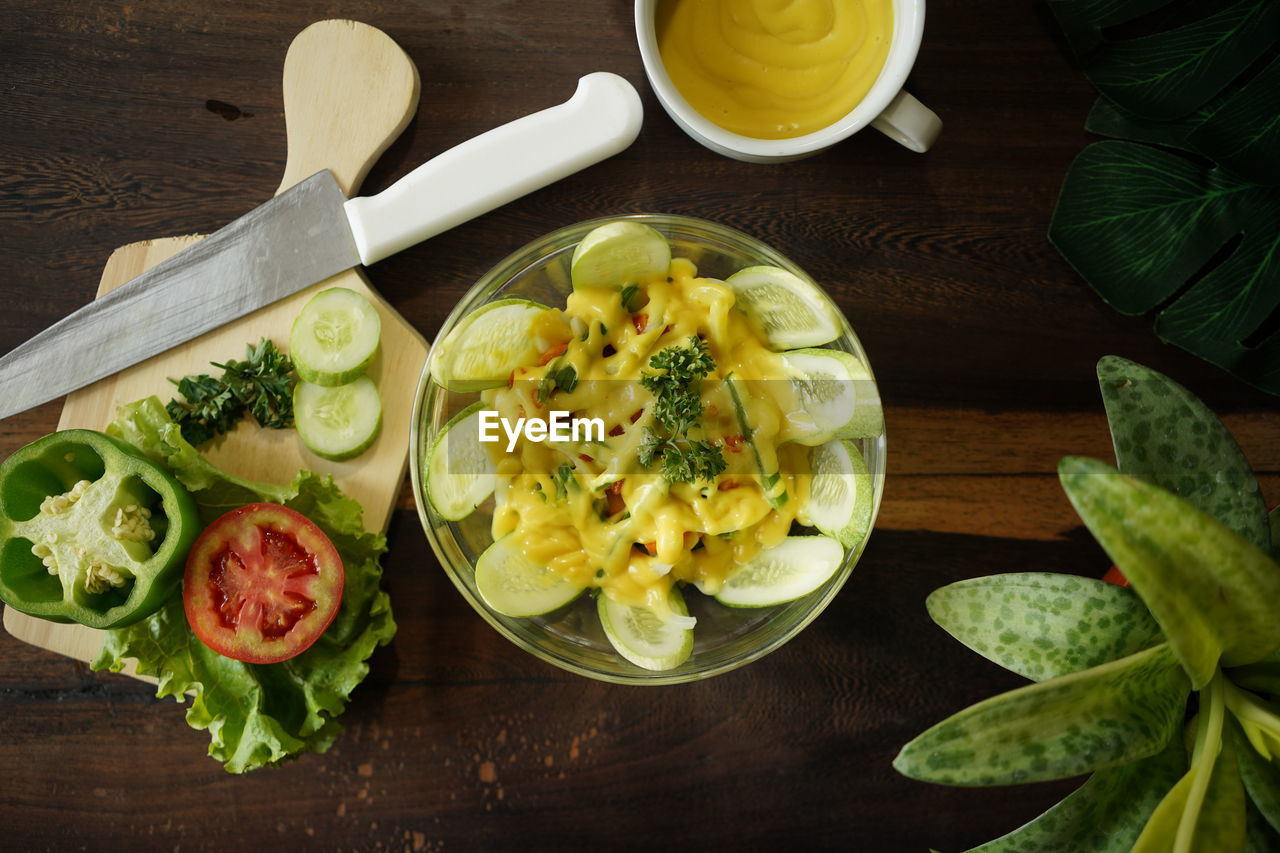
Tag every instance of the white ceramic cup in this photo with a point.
(887, 107)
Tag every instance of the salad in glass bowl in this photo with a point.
(647, 449)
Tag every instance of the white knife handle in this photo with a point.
(602, 118)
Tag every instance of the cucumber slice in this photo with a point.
(655, 638)
(793, 568)
(459, 475)
(787, 311)
(618, 254)
(335, 337)
(835, 397)
(512, 585)
(490, 342)
(337, 423)
(839, 493)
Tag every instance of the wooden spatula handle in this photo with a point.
(349, 90)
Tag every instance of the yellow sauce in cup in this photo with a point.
(774, 69)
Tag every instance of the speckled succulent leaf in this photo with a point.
(1089, 720)
(1105, 814)
(1042, 625)
(1261, 778)
(1218, 823)
(1163, 434)
(1213, 592)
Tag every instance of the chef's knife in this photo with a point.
(312, 232)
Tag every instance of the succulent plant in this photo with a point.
(1165, 692)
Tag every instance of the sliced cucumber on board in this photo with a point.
(334, 337)
(337, 423)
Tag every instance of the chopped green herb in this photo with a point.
(261, 385)
(677, 390)
(565, 482)
(629, 295)
(558, 378)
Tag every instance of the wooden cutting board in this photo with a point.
(349, 90)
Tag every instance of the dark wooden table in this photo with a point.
(983, 339)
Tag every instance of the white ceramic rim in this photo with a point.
(908, 30)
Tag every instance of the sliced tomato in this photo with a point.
(262, 584)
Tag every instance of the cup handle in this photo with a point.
(909, 123)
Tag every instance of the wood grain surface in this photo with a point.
(123, 120)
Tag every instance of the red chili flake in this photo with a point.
(666, 329)
(637, 415)
(585, 458)
(641, 322)
(726, 485)
(613, 497)
(713, 409)
(555, 351)
(616, 431)
(734, 443)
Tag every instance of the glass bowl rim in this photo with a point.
(505, 271)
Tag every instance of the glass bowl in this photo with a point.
(571, 637)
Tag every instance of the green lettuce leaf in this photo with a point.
(1041, 624)
(257, 715)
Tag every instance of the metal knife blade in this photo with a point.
(312, 232)
(296, 239)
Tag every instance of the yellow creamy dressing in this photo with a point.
(697, 532)
(774, 69)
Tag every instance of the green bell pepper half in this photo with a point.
(91, 531)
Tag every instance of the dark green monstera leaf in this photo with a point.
(1148, 227)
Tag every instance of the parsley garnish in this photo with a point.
(628, 297)
(261, 385)
(677, 389)
(557, 379)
